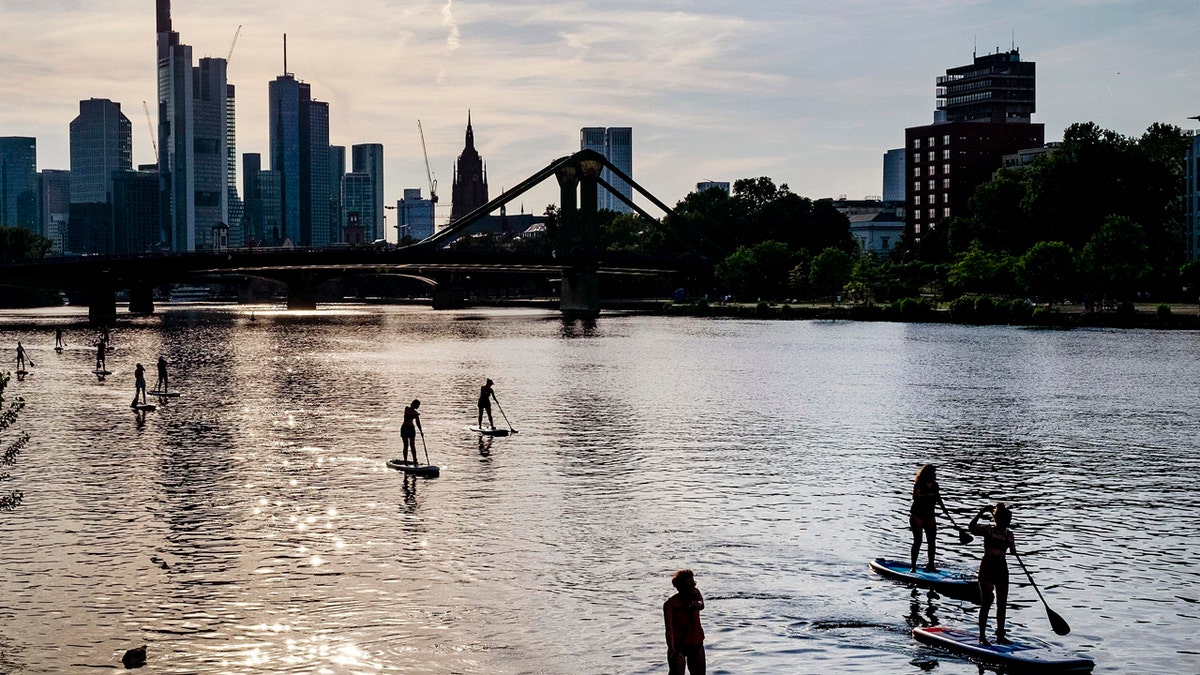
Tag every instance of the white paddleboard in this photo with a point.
(489, 431)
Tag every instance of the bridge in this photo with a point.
(575, 258)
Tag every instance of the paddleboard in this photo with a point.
(102, 372)
(418, 470)
(1021, 654)
(956, 584)
(489, 431)
(144, 407)
(22, 372)
(163, 394)
(58, 350)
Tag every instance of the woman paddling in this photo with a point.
(139, 375)
(408, 430)
(486, 396)
(921, 516)
(993, 568)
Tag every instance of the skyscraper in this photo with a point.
(368, 158)
(176, 174)
(983, 114)
(18, 183)
(210, 153)
(893, 175)
(358, 201)
(263, 217)
(101, 143)
(470, 179)
(237, 236)
(416, 215)
(616, 144)
(299, 131)
(55, 197)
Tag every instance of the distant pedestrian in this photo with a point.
(408, 430)
(161, 385)
(20, 357)
(139, 374)
(685, 636)
(486, 396)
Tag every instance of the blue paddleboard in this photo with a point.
(1021, 654)
(954, 583)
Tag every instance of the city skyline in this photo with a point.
(809, 95)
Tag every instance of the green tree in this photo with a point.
(18, 243)
(830, 271)
(10, 448)
(758, 271)
(980, 271)
(1048, 270)
(1115, 260)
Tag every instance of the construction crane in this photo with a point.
(233, 44)
(150, 124)
(428, 172)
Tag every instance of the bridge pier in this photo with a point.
(579, 296)
(302, 295)
(102, 305)
(141, 300)
(449, 293)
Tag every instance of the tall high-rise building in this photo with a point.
(210, 156)
(358, 202)
(54, 188)
(262, 221)
(983, 114)
(101, 143)
(299, 131)
(1191, 199)
(134, 211)
(176, 141)
(237, 236)
(19, 183)
(616, 144)
(337, 169)
(893, 175)
(415, 214)
(470, 179)
(368, 158)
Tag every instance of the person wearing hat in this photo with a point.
(993, 567)
(486, 396)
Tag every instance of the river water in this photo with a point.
(251, 526)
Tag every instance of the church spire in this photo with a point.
(470, 132)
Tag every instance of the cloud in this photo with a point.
(452, 37)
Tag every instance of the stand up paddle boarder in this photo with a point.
(139, 374)
(58, 343)
(486, 396)
(161, 385)
(685, 636)
(922, 517)
(993, 568)
(21, 358)
(408, 430)
(101, 351)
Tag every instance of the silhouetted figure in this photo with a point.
(486, 396)
(20, 357)
(685, 636)
(139, 374)
(58, 343)
(993, 567)
(408, 430)
(921, 516)
(101, 352)
(134, 658)
(161, 385)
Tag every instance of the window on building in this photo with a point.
(932, 184)
(945, 154)
(931, 141)
(916, 142)
(917, 171)
(932, 154)
(945, 168)
(883, 243)
(946, 139)
(945, 198)
(946, 212)
(917, 186)
(916, 228)
(945, 183)
(932, 214)
(917, 200)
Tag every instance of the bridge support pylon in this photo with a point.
(141, 300)
(579, 296)
(302, 295)
(102, 305)
(449, 293)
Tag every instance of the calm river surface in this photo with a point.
(250, 526)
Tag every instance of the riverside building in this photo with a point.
(983, 113)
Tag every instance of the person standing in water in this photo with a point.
(58, 343)
(20, 357)
(101, 350)
(139, 374)
(993, 567)
(161, 385)
(685, 636)
(921, 516)
(408, 430)
(486, 396)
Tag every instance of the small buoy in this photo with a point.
(134, 658)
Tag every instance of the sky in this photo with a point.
(810, 93)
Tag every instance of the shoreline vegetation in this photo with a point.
(979, 311)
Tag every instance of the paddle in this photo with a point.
(503, 415)
(964, 537)
(1060, 626)
(426, 448)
